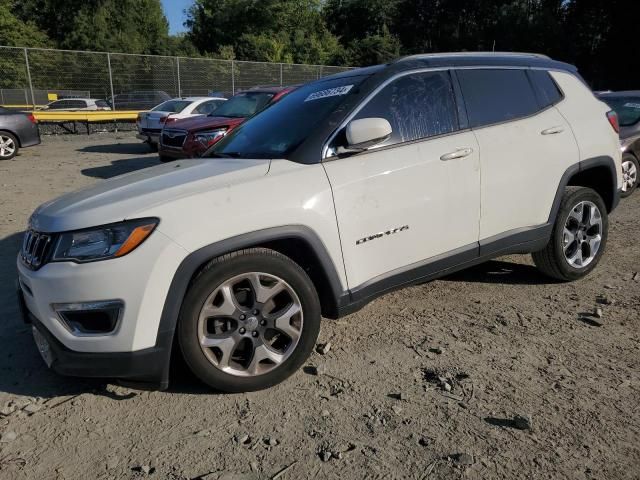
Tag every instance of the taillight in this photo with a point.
(613, 120)
(32, 118)
(170, 119)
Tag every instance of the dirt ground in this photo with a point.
(494, 372)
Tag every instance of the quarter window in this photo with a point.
(546, 89)
(419, 105)
(494, 95)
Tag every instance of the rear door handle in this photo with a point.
(552, 131)
(458, 153)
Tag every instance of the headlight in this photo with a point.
(210, 137)
(101, 243)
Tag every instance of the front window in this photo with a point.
(173, 106)
(279, 129)
(627, 108)
(244, 104)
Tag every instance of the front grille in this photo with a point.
(36, 248)
(173, 138)
(150, 130)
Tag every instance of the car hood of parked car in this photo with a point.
(205, 122)
(124, 197)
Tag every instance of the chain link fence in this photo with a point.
(33, 76)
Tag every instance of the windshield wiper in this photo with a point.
(225, 155)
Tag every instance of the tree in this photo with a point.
(18, 33)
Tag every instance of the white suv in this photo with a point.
(349, 187)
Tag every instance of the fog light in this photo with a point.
(90, 318)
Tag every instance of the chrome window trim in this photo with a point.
(325, 148)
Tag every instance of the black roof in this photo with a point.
(463, 59)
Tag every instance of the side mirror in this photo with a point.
(367, 132)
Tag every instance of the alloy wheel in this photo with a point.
(582, 234)
(250, 324)
(629, 175)
(7, 146)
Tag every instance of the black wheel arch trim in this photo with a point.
(582, 166)
(191, 264)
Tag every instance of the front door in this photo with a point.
(417, 195)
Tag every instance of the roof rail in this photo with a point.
(470, 54)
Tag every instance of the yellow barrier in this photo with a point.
(84, 116)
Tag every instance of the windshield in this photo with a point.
(627, 108)
(173, 106)
(243, 104)
(279, 129)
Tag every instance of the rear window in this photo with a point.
(244, 104)
(627, 108)
(173, 106)
(495, 95)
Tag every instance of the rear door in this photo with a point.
(525, 143)
(414, 197)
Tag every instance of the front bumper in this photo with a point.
(147, 369)
(138, 350)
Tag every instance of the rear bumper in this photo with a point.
(28, 137)
(148, 137)
(147, 369)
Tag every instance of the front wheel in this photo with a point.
(8, 146)
(249, 320)
(578, 237)
(630, 168)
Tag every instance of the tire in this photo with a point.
(225, 326)
(165, 159)
(9, 146)
(630, 173)
(575, 259)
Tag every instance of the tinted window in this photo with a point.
(546, 89)
(627, 108)
(60, 104)
(102, 104)
(244, 104)
(208, 107)
(494, 96)
(77, 104)
(417, 106)
(278, 130)
(173, 106)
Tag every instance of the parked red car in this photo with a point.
(191, 137)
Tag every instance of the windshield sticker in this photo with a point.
(330, 92)
(632, 105)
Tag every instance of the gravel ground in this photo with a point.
(495, 372)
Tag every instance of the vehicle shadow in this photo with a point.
(120, 167)
(138, 148)
(501, 272)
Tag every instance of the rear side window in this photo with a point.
(494, 95)
(546, 89)
(419, 105)
(102, 104)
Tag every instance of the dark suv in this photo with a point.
(191, 137)
(139, 100)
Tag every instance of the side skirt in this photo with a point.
(522, 240)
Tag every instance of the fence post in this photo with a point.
(281, 84)
(233, 79)
(113, 97)
(178, 71)
(26, 62)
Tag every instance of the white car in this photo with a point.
(150, 123)
(77, 104)
(348, 188)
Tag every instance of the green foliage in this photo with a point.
(18, 33)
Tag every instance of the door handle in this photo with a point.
(458, 153)
(552, 131)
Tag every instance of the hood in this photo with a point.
(129, 195)
(199, 123)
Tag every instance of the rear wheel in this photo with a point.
(8, 146)
(630, 170)
(249, 321)
(578, 238)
